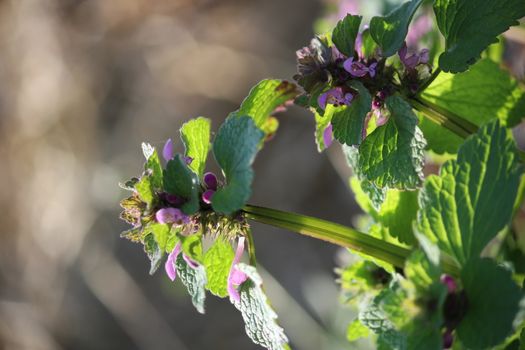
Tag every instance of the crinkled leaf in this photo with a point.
(482, 93)
(469, 26)
(195, 281)
(364, 189)
(345, 33)
(265, 97)
(181, 181)
(259, 317)
(380, 317)
(356, 330)
(145, 190)
(235, 147)
(390, 31)
(152, 166)
(493, 299)
(393, 155)
(362, 277)
(348, 121)
(217, 261)
(196, 137)
(472, 199)
(153, 251)
(161, 233)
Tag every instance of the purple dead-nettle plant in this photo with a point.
(419, 281)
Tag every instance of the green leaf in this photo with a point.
(493, 299)
(390, 31)
(345, 33)
(259, 317)
(362, 277)
(356, 330)
(265, 97)
(155, 254)
(152, 165)
(472, 199)
(348, 121)
(181, 181)
(196, 137)
(469, 26)
(393, 154)
(192, 246)
(482, 93)
(234, 148)
(421, 271)
(161, 232)
(217, 261)
(397, 210)
(195, 281)
(145, 190)
(368, 46)
(366, 192)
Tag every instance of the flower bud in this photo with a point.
(210, 181)
(167, 151)
(449, 282)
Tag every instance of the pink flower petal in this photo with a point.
(170, 263)
(167, 151)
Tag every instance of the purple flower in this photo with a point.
(172, 259)
(167, 151)
(347, 7)
(328, 136)
(170, 216)
(187, 160)
(236, 277)
(449, 282)
(335, 96)
(411, 61)
(207, 195)
(359, 69)
(421, 26)
(210, 181)
(170, 263)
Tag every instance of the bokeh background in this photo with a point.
(82, 84)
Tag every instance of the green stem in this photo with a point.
(429, 81)
(251, 248)
(338, 234)
(448, 120)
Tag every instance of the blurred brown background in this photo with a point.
(82, 83)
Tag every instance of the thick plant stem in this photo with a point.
(338, 234)
(452, 122)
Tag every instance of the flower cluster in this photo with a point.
(166, 209)
(326, 75)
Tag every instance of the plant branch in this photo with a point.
(448, 120)
(429, 81)
(339, 235)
